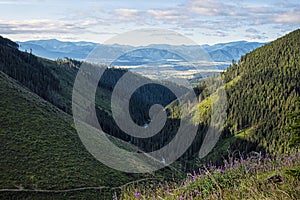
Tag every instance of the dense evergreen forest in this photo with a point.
(262, 91)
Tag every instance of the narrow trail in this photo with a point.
(74, 189)
(51, 191)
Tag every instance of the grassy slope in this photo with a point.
(256, 177)
(40, 148)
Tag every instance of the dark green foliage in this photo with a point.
(81, 194)
(8, 43)
(293, 172)
(28, 70)
(266, 92)
(294, 128)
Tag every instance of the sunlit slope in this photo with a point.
(262, 89)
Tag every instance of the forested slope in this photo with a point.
(262, 89)
(266, 91)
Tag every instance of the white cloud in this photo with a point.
(256, 37)
(205, 7)
(18, 2)
(215, 17)
(291, 17)
(127, 13)
(252, 30)
(44, 26)
(166, 14)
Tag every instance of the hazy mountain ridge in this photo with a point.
(53, 49)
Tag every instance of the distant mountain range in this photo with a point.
(53, 49)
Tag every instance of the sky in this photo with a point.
(203, 21)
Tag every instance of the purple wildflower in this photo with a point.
(195, 174)
(168, 189)
(192, 179)
(137, 195)
(196, 192)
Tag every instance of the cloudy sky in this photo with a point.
(204, 21)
